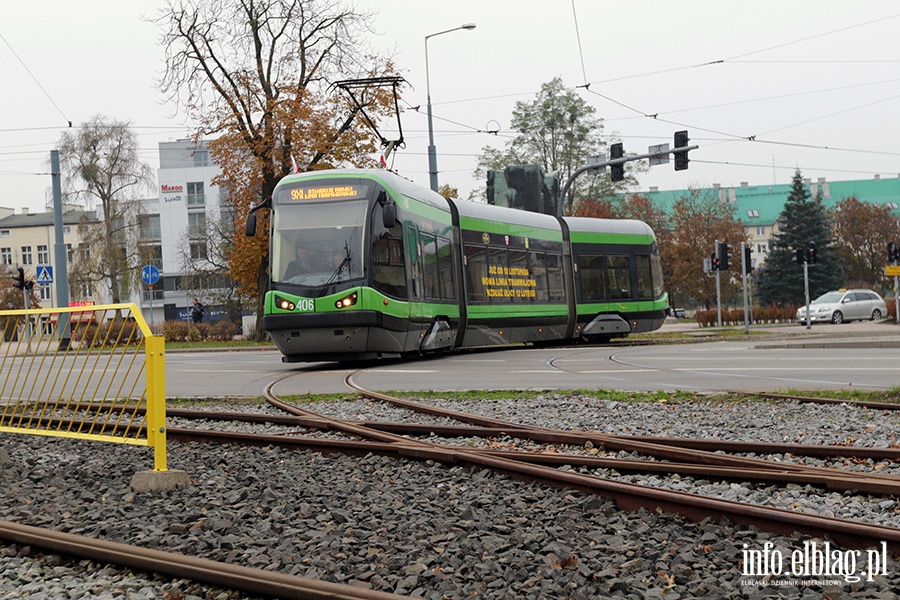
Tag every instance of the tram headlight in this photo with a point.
(284, 304)
(346, 301)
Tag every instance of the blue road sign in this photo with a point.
(149, 274)
(44, 274)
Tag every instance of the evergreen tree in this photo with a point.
(803, 220)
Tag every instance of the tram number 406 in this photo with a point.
(306, 305)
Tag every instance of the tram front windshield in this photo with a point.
(318, 244)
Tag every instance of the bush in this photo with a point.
(185, 331)
(735, 316)
(223, 330)
(176, 331)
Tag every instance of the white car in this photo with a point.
(844, 305)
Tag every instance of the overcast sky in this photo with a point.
(763, 87)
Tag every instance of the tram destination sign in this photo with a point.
(328, 192)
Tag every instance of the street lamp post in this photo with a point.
(432, 151)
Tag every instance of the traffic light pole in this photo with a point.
(615, 161)
(718, 289)
(806, 289)
(896, 302)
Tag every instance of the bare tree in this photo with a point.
(205, 256)
(102, 171)
(253, 72)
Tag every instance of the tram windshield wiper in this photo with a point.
(345, 262)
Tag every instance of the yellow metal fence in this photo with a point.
(90, 372)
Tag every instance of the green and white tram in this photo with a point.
(366, 264)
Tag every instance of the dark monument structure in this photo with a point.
(525, 188)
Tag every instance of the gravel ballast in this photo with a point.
(427, 530)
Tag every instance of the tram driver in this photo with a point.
(301, 265)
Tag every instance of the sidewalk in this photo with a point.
(859, 334)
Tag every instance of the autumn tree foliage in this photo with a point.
(862, 232)
(256, 75)
(698, 219)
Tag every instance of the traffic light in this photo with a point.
(893, 252)
(800, 256)
(19, 280)
(714, 261)
(617, 172)
(681, 158)
(748, 260)
(811, 252)
(724, 256)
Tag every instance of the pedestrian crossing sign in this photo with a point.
(44, 274)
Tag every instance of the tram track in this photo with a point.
(627, 496)
(673, 455)
(258, 582)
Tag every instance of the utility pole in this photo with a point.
(744, 270)
(60, 257)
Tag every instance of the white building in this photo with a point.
(27, 240)
(177, 226)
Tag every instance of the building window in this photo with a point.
(4, 233)
(198, 250)
(195, 194)
(43, 253)
(155, 294)
(26, 255)
(6, 256)
(149, 227)
(44, 292)
(68, 253)
(762, 248)
(760, 231)
(226, 218)
(196, 224)
(201, 158)
(151, 254)
(753, 214)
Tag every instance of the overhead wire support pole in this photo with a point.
(432, 150)
(744, 269)
(615, 161)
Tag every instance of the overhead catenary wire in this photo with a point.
(35, 79)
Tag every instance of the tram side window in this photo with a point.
(437, 266)
(476, 273)
(415, 262)
(430, 266)
(619, 276)
(644, 276)
(521, 280)
(656, 265)
(539, 273)
(557, 284)
(445, 266)
(388, 270)
(591, 270)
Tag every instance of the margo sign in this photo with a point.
(172, 189)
